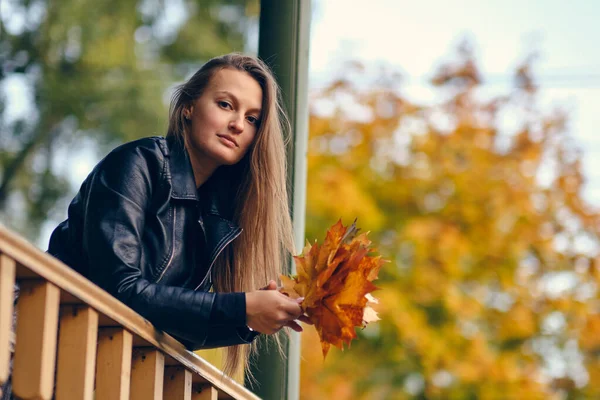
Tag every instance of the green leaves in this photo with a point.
(99, 74)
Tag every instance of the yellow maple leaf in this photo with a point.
(335, 280)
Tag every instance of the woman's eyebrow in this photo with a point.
(236, 101)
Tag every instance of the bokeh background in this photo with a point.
(462, 135)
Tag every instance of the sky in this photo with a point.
(414, 37)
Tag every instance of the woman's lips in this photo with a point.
(228, 140)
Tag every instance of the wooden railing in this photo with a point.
(76, 341)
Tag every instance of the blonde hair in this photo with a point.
(262, 209)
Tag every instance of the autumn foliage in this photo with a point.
(335, 280)
(476, 198)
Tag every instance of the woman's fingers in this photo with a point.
(291, 307)
(297, 327)
(267, 310)
(294, 325)
(272, 285)
(305, 319)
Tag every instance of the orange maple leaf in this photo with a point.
(335, 281)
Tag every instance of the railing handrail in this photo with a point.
(51, 269)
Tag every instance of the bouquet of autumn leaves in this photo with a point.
(335, 279)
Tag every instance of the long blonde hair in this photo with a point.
(262, 208)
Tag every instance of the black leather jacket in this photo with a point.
(141, 230)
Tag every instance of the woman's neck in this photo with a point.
(202, 170)
(203, 167)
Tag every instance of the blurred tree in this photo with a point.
(492, 288)
(94, 73)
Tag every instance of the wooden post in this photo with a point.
(206, 393)
(178, 384)
(7, 284)
(284, 37)
(35, 350)
(147, 374)
(76, 353)
(113, 365)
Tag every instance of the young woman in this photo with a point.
(161, 221)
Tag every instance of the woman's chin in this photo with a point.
(227, 159)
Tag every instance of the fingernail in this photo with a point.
(300, 299)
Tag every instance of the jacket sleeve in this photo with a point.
(224, 336)
(119, 195)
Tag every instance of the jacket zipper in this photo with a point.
(231, 239)
(172, 247)
(201, 222)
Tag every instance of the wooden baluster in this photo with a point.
(35, 350)
(178, 384)
(7, 284)
(113, 364)
(206, 393)
(76, 353)
(147, 374)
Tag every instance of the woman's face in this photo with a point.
(224, 119)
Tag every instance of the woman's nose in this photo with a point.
(237, 124)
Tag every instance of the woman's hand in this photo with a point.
(267, 310)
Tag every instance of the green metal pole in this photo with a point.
(284, 45)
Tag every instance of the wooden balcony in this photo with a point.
(76, 341)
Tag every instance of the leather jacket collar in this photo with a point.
(182, 176)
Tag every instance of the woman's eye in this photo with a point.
(224, 104)
(252, 120)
